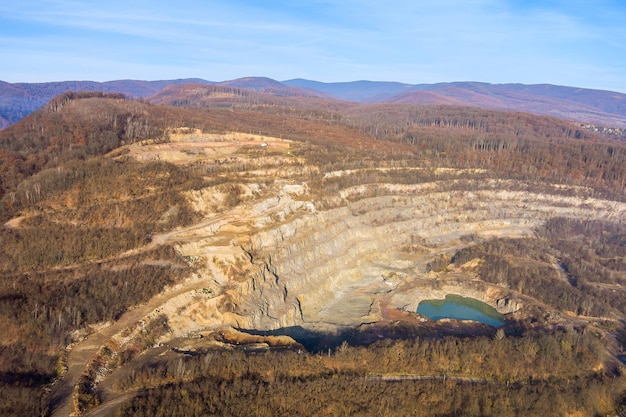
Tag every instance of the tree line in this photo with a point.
(533, 374)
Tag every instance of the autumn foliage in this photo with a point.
(76, 217)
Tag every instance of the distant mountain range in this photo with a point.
(603, 108)
(606, 108)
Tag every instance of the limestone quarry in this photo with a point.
(283, 257)
(264, 254)
(283, 247)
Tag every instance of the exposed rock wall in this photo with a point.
(293, 254)
(329, 266)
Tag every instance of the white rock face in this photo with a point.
(281, 263)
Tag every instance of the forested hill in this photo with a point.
(598, 107)
(20, 99)
(82, 125)
(605, 108)
(77, 126)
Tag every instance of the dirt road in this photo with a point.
(81, 355)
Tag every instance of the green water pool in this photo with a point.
(460, 308)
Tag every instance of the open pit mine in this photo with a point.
(256, 258)
(284, 252)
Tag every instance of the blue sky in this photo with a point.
(575, 43)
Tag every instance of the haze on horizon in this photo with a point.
(574, 43)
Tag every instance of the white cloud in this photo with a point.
(425, 41)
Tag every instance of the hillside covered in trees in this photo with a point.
(195, 255)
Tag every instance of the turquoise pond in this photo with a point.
(460, 308)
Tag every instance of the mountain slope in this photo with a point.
(360, 91)
(584, 105)
(20, 99)
(273, 87)
(603, 108)
(606, 108)
(259, 96)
